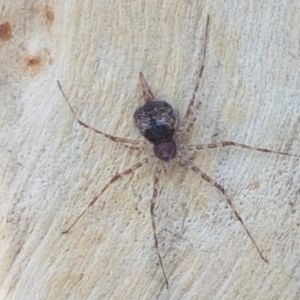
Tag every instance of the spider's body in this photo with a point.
(157, 120)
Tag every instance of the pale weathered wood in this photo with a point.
(51, 167)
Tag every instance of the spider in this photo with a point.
(158, 122)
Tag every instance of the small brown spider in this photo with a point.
(158, 122)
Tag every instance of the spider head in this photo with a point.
(165, 151)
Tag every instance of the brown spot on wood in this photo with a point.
(253, 185)
(33, 61)
(5, 31)
(49, 15)
(205, 217)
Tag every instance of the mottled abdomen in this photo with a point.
(157, 121)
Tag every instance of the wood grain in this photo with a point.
(51, 167)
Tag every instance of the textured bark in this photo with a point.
(51, 167)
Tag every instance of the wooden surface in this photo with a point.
(51, 167)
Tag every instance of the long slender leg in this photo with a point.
(231, 143)
(113, 179)
(196, 169)
(148, 95)
(186, 123)
(136, 145)
(152, 213)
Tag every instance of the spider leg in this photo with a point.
(148, 95)
(235, 144)
(152, 213)
(113, 179)
(188, 119)
(133, 144)
(212, 182)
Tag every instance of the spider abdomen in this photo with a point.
(156, 121)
